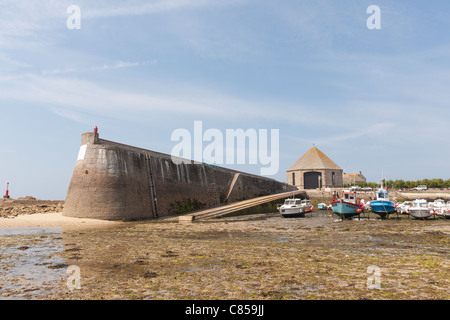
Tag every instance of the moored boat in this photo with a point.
(322, 206)
(447, 211)
(439, 206)
(403, 208)
(443, 212)
(295, 208)
(420, 210)
(381, 205)
(347, 206)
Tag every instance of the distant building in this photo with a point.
(315, 170)
(352, 178)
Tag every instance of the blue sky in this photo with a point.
(372, 100)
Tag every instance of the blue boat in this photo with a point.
(347, 206)
(382, 206)
(322, 206)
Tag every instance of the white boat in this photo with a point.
(447, 210)
(403, 208)
(436, 203)
(440, 207)
(420, 210)
(322, 206)
(295, 207)
(443, 211)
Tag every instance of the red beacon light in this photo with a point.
(95, 129)
(7, 191)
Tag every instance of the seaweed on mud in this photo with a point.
(254, 257)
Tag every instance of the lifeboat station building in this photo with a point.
(314, 170)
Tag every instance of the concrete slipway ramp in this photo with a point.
(237, 206)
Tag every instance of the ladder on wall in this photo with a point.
(152, 185)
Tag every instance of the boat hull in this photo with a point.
(345, 209)
(420, 213)
(382, 208)
(440, 211)
(295, 212)
(291, 210)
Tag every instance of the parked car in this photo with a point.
(421, 188)
(358, 188)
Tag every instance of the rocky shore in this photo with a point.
(12, 208)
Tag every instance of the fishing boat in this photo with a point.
(347, 206)
(420, 210)
(295, 208)
(381, 205)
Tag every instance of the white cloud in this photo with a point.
(350, 133)
(69, 114)
(71, 97)
(86, 96)
(115, 65)
(24, 18)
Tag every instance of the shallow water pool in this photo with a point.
(30, 262)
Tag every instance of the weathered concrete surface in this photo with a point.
(238, 206)
(113, 181)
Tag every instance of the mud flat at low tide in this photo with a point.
(256, 257)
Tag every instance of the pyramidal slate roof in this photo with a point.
(314, 159)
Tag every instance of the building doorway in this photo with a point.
(313, 180)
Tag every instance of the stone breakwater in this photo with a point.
(113, 181)
(14, 208)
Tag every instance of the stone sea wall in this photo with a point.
(113, 181)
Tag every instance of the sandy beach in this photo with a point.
(55, 219)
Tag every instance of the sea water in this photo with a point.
(30, 262)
